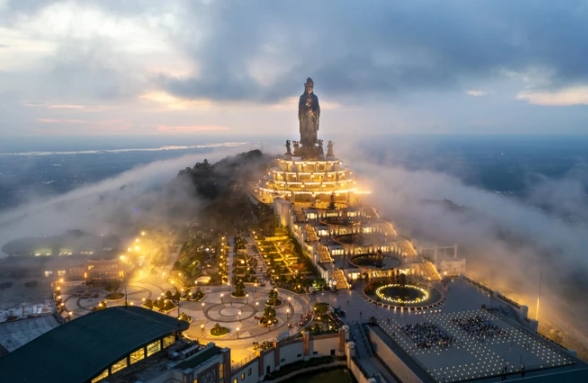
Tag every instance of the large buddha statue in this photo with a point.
(308, 114)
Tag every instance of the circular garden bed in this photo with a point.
(219, 330)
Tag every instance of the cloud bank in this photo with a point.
(112, 206)
(507, 242)
(189, 55)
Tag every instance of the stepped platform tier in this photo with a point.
(322, 183)
(320, 200)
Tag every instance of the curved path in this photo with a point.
(225, 310)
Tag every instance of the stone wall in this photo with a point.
(400, 369)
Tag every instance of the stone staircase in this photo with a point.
(431, 271)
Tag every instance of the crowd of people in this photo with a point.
(427, 335)
(479, 327)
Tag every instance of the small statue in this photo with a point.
(330, 149)
(296, 149)
(320, 145)
(288, 152)
(332, 204)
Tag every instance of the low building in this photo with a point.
(92, 348)
(104, 270)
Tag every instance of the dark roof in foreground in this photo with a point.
(83, 348)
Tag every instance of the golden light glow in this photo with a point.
(381, 295)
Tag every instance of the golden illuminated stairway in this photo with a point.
(339, 277)
(430, 271)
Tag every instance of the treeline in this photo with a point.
(223, 190)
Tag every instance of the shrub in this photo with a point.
(218, 330)
(148, 303)
(321, 308)
(112, 286)
(239, 288)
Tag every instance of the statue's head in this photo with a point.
(309, 85)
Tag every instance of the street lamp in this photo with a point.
(269, 325)
(222, 300)
(202, 329)
(239, 316)
(247, 298)
(287, 313)
(237, 332)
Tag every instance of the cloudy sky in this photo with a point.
(101, 67)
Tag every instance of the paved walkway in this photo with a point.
(230, 258)
(252, 251)
(218, 306)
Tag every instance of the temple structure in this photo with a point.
(317, 197)
(306, 174)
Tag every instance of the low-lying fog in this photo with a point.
(507, 241)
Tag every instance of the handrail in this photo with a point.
(242, 362)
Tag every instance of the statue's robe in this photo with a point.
(308, 115)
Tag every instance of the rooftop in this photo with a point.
(199, 358)
(86, 346)
(459, 341)
(17, 333)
